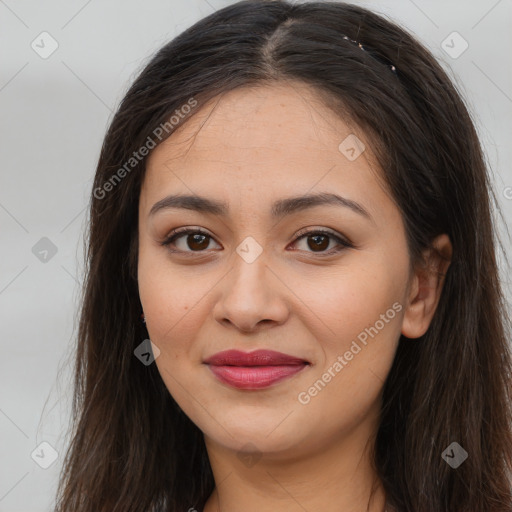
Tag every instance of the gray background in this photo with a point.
(53, 119)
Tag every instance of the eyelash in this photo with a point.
(343, 244)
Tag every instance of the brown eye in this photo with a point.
(197, 241)
(190, 240)
(318, 242)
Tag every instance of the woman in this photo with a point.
(291, 203)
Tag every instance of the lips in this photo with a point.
(254, 370)
(256, 358)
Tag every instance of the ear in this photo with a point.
(426, 286)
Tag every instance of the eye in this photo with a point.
(318, 240)
(198, 240)
(195, 239)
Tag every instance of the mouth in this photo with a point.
(254, 370)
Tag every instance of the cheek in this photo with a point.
(352, 298)
(175, 302)
(172, 298)
(363, 313)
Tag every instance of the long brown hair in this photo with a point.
(132, 447)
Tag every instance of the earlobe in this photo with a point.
(426, 287)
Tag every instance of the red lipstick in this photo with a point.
(254, 370)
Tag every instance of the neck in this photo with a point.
(332, 475)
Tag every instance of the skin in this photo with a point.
(248, 148)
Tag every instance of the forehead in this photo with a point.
(269, 137)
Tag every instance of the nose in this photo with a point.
(252, 296)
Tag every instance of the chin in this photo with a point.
(261, 436)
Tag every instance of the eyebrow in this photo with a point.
(279, 209)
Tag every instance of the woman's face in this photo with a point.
(257, 280)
